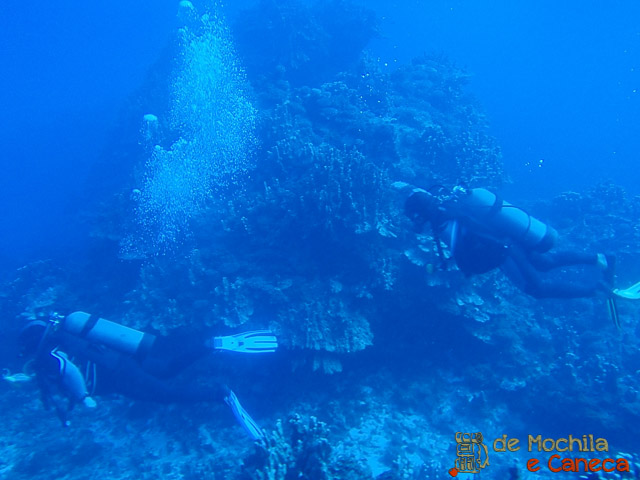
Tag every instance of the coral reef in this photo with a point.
(440, 135)
(317, 213)
(302, 44)
(303, 453)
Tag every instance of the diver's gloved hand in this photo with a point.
(607, 263)
(258, 341)
(15, 377)
(89, 402)
(244, 419)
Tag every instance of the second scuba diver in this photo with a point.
(77, 355)
(484, 232)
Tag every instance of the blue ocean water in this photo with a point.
(559, 85)
(559, 81)
(67, 71)
(221, 168)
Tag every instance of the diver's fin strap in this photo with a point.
(258, 341)
(612, 309)
(631, 293)
(244, 419)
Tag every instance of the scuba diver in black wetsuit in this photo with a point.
(81, 353)
(484, 232)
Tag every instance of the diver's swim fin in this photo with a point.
(258, 341)
(244, 419)
(612, 308)
(631, 293)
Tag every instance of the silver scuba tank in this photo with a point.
(111, 334)
(485, 208)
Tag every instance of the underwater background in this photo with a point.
(235, 167)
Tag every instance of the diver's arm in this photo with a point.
(51, 400)
(45, 391)
(62, 411)
(67, 379)
(73, 383)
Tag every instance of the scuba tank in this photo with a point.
(113, 335)
(488, 210)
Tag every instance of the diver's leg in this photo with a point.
(131, 380)
(548, 261)
(600, 267)
(170, 355)
(523, 274)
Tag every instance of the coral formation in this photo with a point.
(302, 44)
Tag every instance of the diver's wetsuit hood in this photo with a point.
(30, 337)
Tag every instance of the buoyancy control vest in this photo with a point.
(484, 208)
(113, 335)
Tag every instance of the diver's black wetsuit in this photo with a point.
(524, 270)
(140, 378)
(477, 253)
(79, 355)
